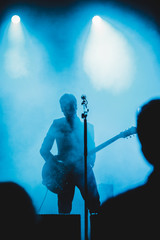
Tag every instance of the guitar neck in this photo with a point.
(105, 144)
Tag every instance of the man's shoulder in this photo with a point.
(90, 125)
(59, 122)
(90, 128)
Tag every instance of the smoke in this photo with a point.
(44, 61)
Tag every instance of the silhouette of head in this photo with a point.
(148, 130)
(18, 216)
(68, 105)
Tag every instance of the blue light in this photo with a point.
(15, 19)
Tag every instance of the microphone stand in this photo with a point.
(84, 116)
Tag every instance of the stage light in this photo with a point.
(96, 19)
(107, 57)
(15, 19)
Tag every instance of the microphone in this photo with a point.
(83, 97)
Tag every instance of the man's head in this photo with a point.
(68, 105)
(148, 130)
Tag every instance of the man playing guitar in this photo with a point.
(68, 132)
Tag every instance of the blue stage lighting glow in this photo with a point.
(108, 59)
(15, 19)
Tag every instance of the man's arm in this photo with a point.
(47, 144)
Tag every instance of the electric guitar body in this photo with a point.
(54, 175)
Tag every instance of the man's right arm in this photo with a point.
(47, 144)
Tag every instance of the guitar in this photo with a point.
(54, 174)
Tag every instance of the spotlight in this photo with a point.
(15, 19)
(96, 19)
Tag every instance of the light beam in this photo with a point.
(108, 59)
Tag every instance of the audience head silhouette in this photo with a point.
(148, 130)
(18, 216)
(134, 213)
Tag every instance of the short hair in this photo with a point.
(68, 99)
(148, 121)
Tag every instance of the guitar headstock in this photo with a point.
(129, 132)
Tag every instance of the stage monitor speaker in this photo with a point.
(59, 226)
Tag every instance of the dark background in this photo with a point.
(149, 8)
